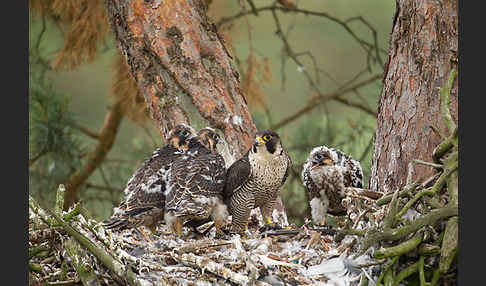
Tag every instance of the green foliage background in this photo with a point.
(59, 98)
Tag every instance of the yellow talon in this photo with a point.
(268, 220)
(323, 221)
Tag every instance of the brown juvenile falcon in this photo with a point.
(145, 192)
(255, 179)
(326, 174)
(196, 185)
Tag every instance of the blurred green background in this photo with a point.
(82, 95)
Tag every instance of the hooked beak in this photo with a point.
(259, 141)
(324, 162)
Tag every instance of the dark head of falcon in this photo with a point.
(209, 138)
(180, 135)
(267, 141)
(321, 159)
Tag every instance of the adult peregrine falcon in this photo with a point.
(326, 174)
(145, 192)
(196, 184)
(255, 179)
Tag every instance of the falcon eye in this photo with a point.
(319, 156)
(267, 137)
(184, 133)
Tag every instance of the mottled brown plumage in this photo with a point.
(255, 179)
(326, 174)
(145, 192)
(196, 184)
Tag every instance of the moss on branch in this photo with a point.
(400, 249)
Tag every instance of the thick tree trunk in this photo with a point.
(423, 51)
(174, 53)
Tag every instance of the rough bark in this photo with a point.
(175, 53)
(422, 53)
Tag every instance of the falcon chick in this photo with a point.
(326, 174)
(255, 179)
(145, 192)
(196, 185)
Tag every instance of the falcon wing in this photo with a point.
(311, 187)
(145, 191)
(353, 175)
(289, 166)
(193, 181)
(236, 175)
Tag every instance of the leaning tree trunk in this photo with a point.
(422, 53)
(175, 53)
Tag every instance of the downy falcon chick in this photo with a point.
(196, 184)
(145, 192)
(255, 180)
(326, 174)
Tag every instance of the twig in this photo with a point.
(44, 234)
(445, 94)
(197, 246)
(387, 268)
(428, 249)
(431, 191)
(250, 264)
(438, 166)
(389, 220)
(81, 264)
(41, 34)
(396, 233)
(368, 194)
(449, 245)
(405, 273)
(253, 8)
(36, 208)
(86, 131)
(35, 267)
(367, 149)
(373, 32)
(445, 146)
(100, 253)
(206, 264)
(421, 271)
(313, 102)
(63, 283)
(107, 137)
(437, 131)
(409, 188)
(274, 8)
(59, 199)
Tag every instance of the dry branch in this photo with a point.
(98, 251)
(106, 138)
(316, 100)
(206, 264)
